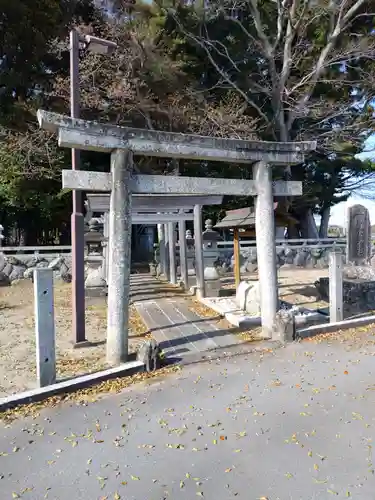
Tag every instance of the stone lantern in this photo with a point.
(95, 283)
(210, 255)
(94, 237)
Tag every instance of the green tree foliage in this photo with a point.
(31, 55)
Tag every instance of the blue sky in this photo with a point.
(339, 211)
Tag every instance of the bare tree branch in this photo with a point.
(342, 19)
(223, 73)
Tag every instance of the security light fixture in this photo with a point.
(99, 45)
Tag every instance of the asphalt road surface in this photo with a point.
(296, 423)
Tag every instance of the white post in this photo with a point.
(172, 252)
(105, 246)
(1, 235)
(167, 274)
(44, 327)
(336, 309)
(183, 253)
(120, 230)
(199, 267)
(266, 248)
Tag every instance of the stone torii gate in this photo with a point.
(166, 210)
(122, 143)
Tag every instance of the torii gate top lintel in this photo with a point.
(94, 136)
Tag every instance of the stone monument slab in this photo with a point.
(358, 236)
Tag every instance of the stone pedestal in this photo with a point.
(213, 288)
(95, 283)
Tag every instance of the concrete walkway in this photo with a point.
(166, 311)
(294, 424)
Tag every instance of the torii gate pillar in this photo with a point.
(266, 249)
(120, 230)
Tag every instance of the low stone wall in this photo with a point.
(22, 267)
(287, 257)
(358, 295)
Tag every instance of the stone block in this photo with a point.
(55, 264)
(17, 273)
(29, 260)
(300, 258)
(251, 267)
(8, 269)
(149, 353)
(248, 297)
(3, 261)
(28, 273)
(13, 260)
(289, 256)
(4, 279)
(212, 287)
(242, 260)
(66, 276)
(95, 279)
(359, 272)
(42, 264)
(316, 252)
(284, 326)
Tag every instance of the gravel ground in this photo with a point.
(17, 337)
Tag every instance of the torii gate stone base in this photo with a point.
(122, 142)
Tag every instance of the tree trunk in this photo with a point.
(308, 226)
(323, 230)
(293, 232)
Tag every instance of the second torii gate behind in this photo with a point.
(165, 210)
(122, 143)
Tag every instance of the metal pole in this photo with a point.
(77, 218)
(266, 248)
(120, 230)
